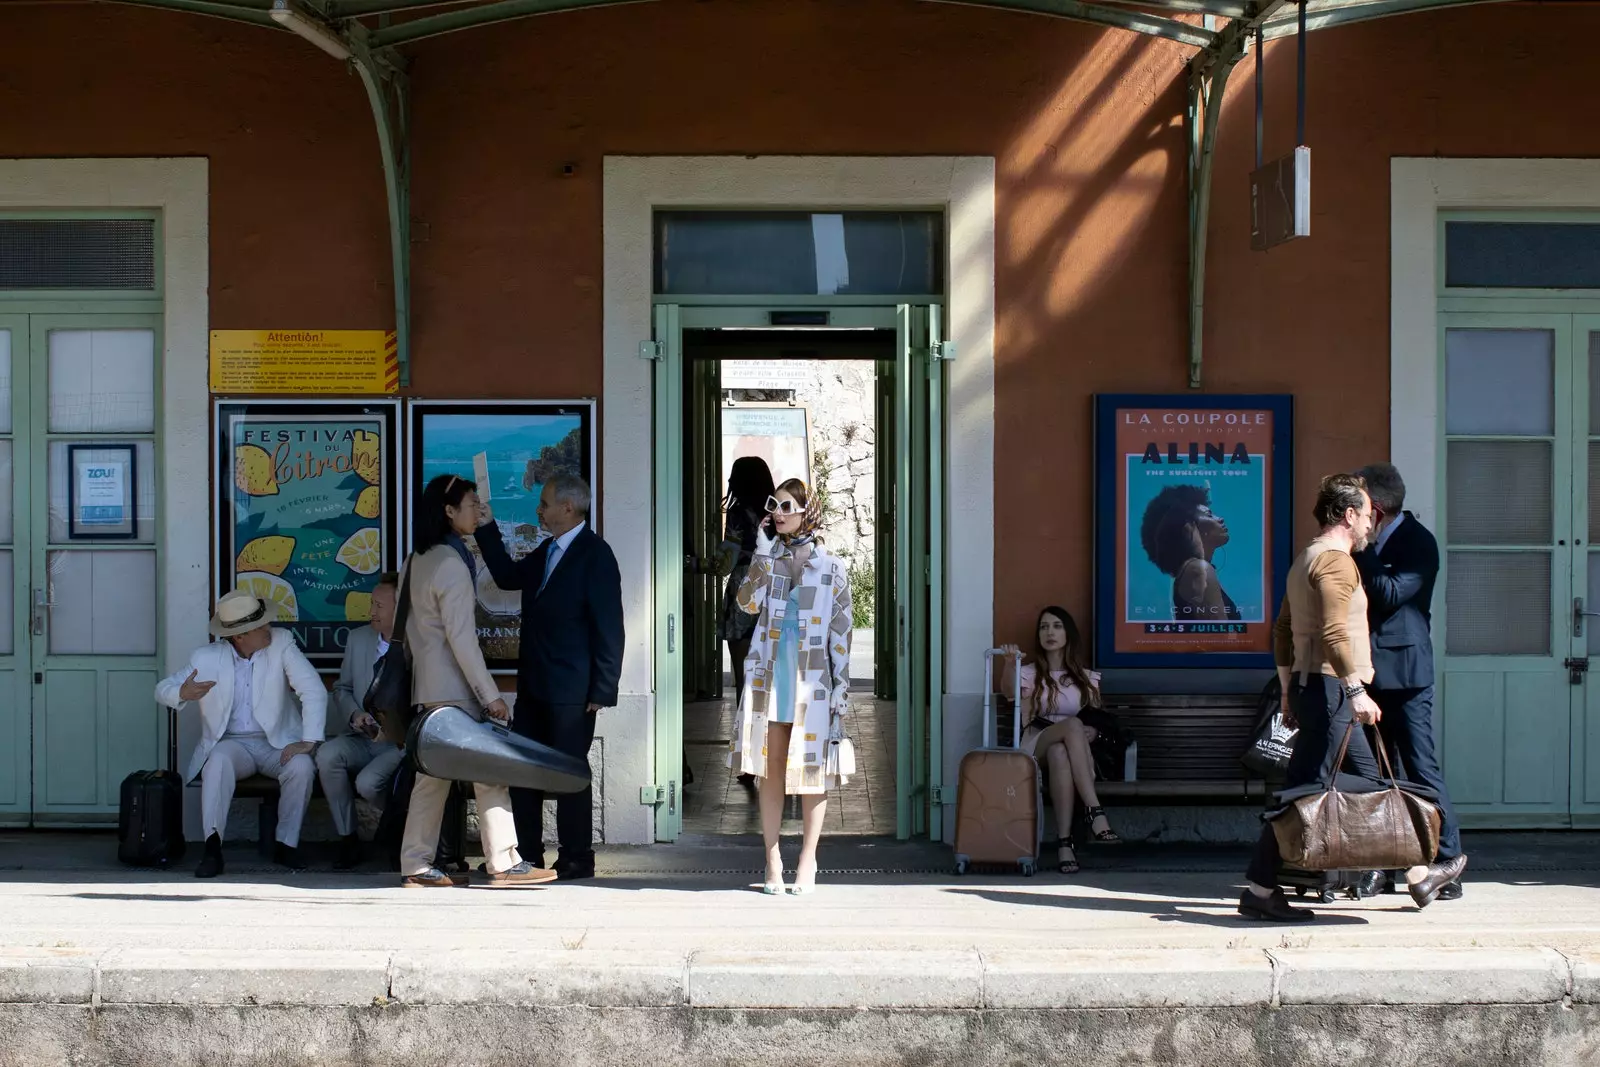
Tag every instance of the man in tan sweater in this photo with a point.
(1324, 660)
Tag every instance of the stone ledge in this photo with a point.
(225, 977)
(1420, 976)
(600, 978)
(47, 975)
(1189, 978)
(1585, 977)
(932, 979)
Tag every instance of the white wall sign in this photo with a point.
(763, 374)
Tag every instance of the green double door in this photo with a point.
(910, 633)
(80, 567)
(1520, 529)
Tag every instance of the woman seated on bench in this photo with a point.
(1051, 699)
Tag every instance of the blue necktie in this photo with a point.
(550, 562)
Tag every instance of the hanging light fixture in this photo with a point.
(288, 14)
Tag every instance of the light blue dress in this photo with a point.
(786, 665)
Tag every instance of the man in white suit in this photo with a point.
(249, 723)
(356, 747)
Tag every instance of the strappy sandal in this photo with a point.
(1108, 836)
(1069, 865)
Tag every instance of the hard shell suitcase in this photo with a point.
(997, 795)
(150, 812)
(1326, 886)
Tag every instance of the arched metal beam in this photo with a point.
(1326, 14)
(506, 10)
(253, 13)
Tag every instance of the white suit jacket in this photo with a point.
(275, 670)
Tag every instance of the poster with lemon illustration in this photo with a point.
(515, 447)
(308, 512)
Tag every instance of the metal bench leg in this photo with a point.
(267, 826)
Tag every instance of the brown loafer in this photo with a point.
(523, 873)
(433, 878)
(1425, 889)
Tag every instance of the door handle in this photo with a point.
(672, 633)
(1578, 615)
(41, 604)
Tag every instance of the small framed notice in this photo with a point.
(102, 490)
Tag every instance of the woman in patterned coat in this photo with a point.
(796, 677)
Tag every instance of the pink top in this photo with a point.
(1068, 700)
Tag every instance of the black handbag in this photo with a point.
(1273, 742)
(1110, 745)
(388, 699)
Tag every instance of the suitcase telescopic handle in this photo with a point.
(990, 711)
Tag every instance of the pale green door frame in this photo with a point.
(918, 401)
(16, 697)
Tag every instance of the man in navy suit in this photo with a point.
(1398, 570)
(571, 660)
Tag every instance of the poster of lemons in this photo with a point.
(310, 513)
(509, 448)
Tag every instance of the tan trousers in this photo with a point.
(496, 828)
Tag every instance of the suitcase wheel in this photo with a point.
(1028, 867)
(1299, 890)
(961, 865)
(1326, 896)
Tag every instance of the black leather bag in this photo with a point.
(388, 699)
(1110, 745)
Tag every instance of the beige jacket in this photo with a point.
(442, 633)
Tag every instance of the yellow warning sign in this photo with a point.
(303, 361)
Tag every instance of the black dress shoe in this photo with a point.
(285, 856)
(1427, 888)
(1273, 909)
(572, 870)
(1451, 891)
(349, 853)
(1370, 885)
(211, 862)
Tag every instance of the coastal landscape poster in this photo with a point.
(512, 448)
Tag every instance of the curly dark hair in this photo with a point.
(1161, 530)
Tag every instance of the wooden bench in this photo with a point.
(1189, 747)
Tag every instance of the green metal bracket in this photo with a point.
(1208, 81)
(385, 80)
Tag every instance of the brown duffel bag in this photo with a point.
(1388, 828)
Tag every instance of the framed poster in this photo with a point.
(1192, 528)
(102, 492)
(307, 511)
(780, 434)
(510, 448)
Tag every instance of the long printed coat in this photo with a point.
(822, 687)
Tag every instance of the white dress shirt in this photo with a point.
(558, 548)
(241, 718)
(1388, 531)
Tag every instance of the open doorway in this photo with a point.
(807, 402)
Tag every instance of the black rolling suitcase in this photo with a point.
(1326, 886)
(150, 812)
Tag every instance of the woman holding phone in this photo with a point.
(796, 676)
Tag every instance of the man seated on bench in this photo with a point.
(249, 724)
(357, 749)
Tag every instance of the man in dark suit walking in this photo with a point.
(1398, 571)
(571, 660)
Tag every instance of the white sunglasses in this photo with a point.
(782, 507)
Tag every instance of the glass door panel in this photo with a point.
(1505, 725)
(16, 799)
(94, 560)
(1585, 760)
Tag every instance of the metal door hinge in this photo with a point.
(652, 350)
(652, 795)
(1576, 667)
(942, 794)
(943, 351)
